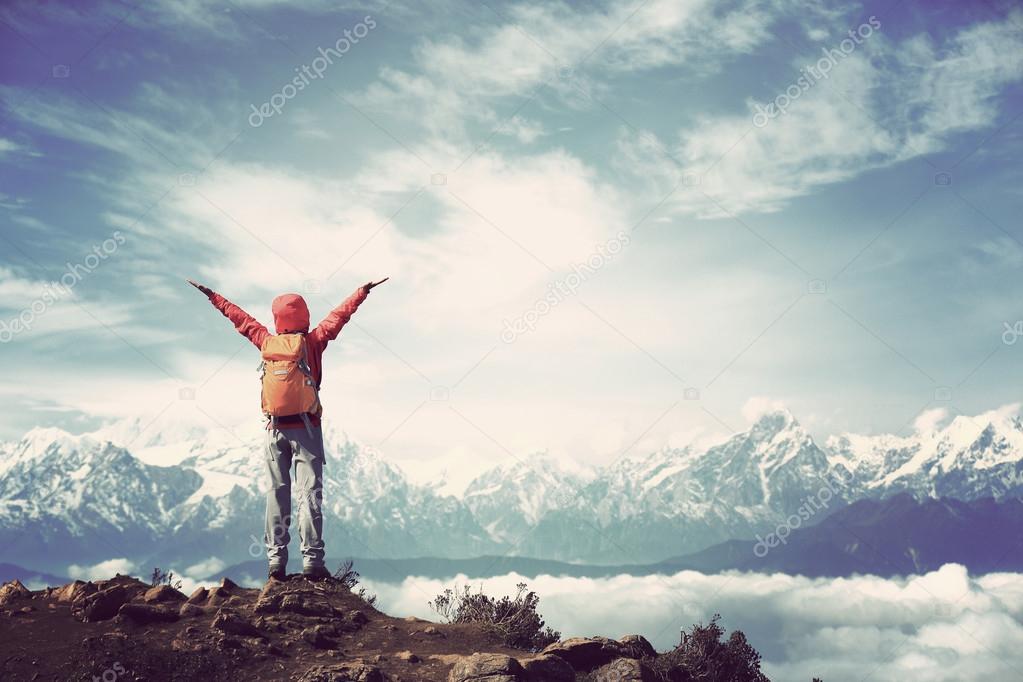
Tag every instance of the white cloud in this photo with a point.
(883, 103)
(7, 146)
(953, 87)
(930, 421)
(944, 626)
(206, 568)
(523, 129)
(497, 224)
(758, 406)
(534, 44)
(17, 291)
(102, 570)
(190, 578)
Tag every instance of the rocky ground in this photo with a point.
(122, 629)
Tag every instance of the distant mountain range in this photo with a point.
(897, 536)
(83, 499)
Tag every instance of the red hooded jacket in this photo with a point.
(291, 314)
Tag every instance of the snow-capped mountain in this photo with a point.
(175, 497)
(676, 501)
(509, 500)
(77, 499)
(82, 498)
(971, 457)
(682, 500)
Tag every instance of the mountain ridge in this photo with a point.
(80, 495)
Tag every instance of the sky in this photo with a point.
(609, 227)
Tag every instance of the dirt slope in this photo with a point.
(121, 629)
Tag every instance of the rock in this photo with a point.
(319, 636)
(267, 604)
(231, 623)
(306, 605)
(228, 585)
(586, 653)
(637, 646)
(199, 596)
(358, 617)
(11, 591)
(217, 596)
(74, 591)
(272, 587)
(133, 585)
(228, 643)
(190, 610)
(624, 670)
(432, 631)
(180, 644)
(342, 672)
(101, 605)
(407, 656)
(486, 668)
(143, 614)
(162, 593)
(548, 669)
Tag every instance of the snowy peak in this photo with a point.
(510, 498)
(175, 490)
(772, 423)
(40, 443)
(538, 467)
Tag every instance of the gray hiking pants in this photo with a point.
(284, 446)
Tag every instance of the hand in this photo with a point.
(205, 289)
(368, 286)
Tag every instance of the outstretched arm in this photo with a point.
(330, 327)
(246, 324)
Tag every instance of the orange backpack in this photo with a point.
(288, 384)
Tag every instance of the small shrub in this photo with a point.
(348, 578)
(704, 657)
(514, 619)
(158, 577)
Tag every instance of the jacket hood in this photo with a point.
(291, 314)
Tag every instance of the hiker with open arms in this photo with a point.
(291, 373)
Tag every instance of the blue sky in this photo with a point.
(853, 255)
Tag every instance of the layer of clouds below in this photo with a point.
(944, 625)
(190, 577)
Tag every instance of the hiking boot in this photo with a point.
(277, 573)
(316, 573)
